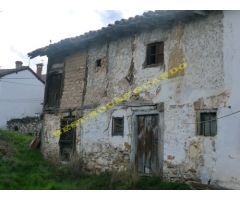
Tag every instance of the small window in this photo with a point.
(117, 126)
(155, 54)
(98, 62)
(207, 124)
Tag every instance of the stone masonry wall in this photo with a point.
(186, 154)
(199, 44)
(49, 143)
(27, 125)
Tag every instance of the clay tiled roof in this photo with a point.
(4, 72)
(124, 27)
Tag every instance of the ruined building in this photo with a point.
(185, 127)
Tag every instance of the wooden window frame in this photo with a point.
(200, 123)
(114, 132)
(159, 56)
(49, 86)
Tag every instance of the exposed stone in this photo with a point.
(204, 84)
(27, 125)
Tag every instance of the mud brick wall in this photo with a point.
(74, 76)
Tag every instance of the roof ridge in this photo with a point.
(119, 28)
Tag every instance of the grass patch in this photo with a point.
(23, 168)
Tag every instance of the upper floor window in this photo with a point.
(98, 62)
(54, 83)
(155, 54)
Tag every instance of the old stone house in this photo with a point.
(185, 127)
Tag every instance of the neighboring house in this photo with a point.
(172, 129)
(21, 93)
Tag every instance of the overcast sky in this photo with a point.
(26, 25)
(29, 25)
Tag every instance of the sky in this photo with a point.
(29, 25)
(26, 25)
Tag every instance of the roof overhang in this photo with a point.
(147, 21)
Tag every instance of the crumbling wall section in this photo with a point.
(49, 142)
(74, 80)
(186, 154)
(120, 60)
(99, 149)
(27, 125)
(97, 80)
(199, 43)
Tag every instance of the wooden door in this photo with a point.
(147, 144)
(67, 141)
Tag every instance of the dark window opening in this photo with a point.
(208, 124)
(54, 85)
(117, 126)
(15, 128)
(67, 141)
(98, 62)
(155, 54)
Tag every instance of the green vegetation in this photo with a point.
(23, 168)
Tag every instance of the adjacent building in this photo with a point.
(21, 93)
(185, 127)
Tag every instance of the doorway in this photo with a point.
(67, 141)
(147, 144)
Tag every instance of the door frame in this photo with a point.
(69, 120)
(160, 139)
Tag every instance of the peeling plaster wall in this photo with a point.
(97, 82)
(100, 150)
(49, 143)
(227, 144)
(200, 44)
(205, 84)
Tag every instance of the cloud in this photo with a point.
(18, 53)
(27, 26)
(109, 16)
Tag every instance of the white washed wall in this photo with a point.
(211, 49)
(20, 97)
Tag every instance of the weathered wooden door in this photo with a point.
(67, 141)
(147, 144)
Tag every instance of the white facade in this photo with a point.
(228, 143)
(210, 47)
(21, 95)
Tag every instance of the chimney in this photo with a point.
(39, 69)
(18, 64)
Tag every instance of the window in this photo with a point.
(207, 124)
(117, 126)
(98, 62)
(155, 54)
(54, 84)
